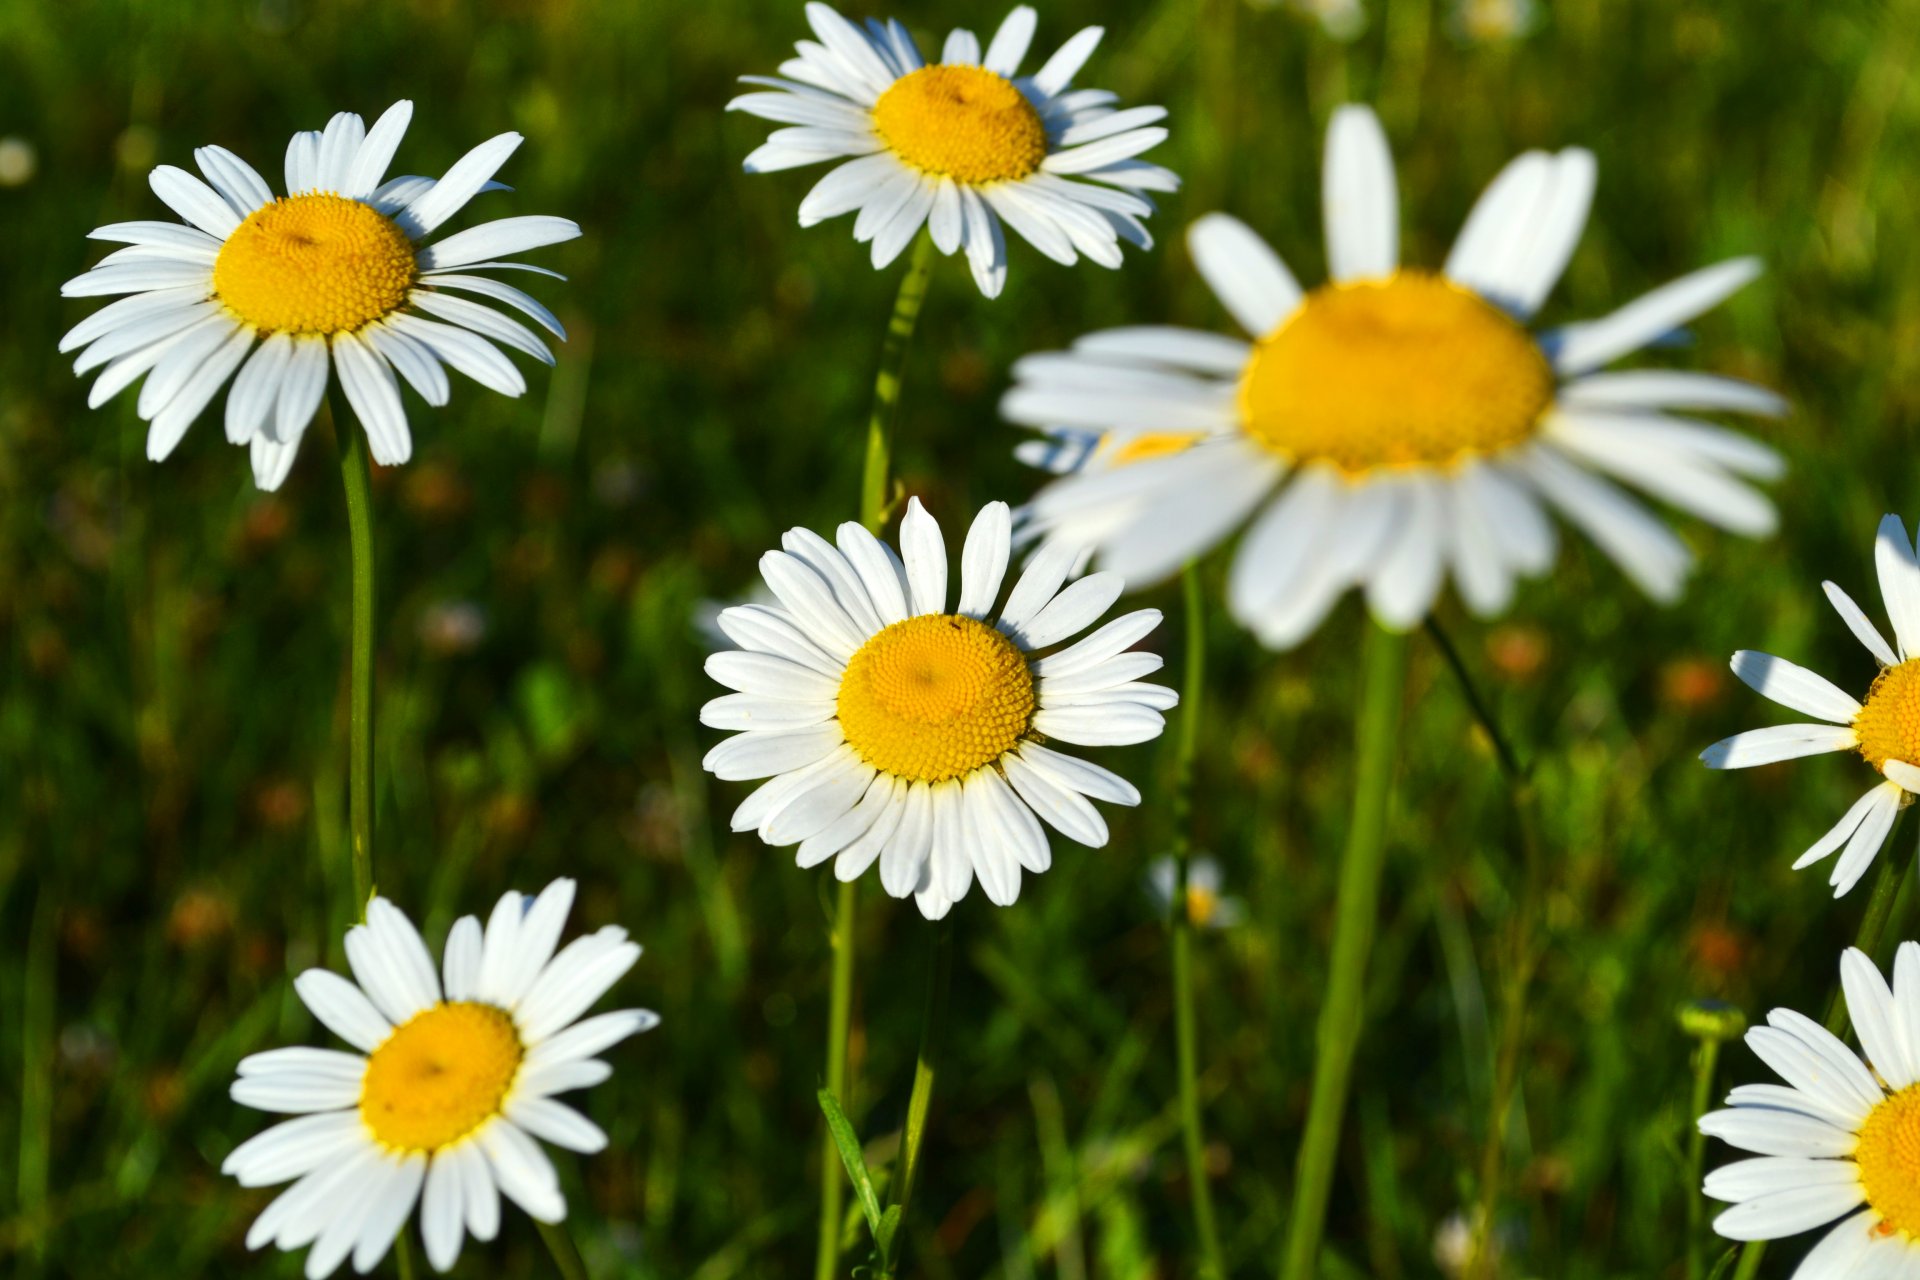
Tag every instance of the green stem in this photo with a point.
(833, 1187)
(1338, 1034)
(873, 513)
(358, 480)
(886, 384)
(403, 1255)
(566, 1258)
(1181, 921)
(1873, 929)
(939, 979)
(1522, 955)
(1706, 1060)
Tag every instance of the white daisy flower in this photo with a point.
(1398, 424)
(271, 292)
(898, 730)
(1884, 728)
(449, 1088)
(1206, 906)
(960, 145)
(1842, 1133)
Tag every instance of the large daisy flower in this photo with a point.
(1884, 728)
(1397, 424)
(1841, 1134)
(452, 1081)
(960, 145)
(898, 730)
(271, 291)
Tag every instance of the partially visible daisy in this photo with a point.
(1884, 729)
(1840, 1134)
(899, 730)
(449, 1087)
(272, 292)
(1396, 425)
(1206, 906)
(960, 145)
(1495, 21)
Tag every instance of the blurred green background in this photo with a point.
(172, 721)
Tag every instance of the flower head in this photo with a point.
(961, 145)
(1841, 1135)
(1207, 907)
(899, 730)
(1883, 726)
(274, 292)
(1396, 425)
(451, 1082)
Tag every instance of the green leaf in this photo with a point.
(849, 1144)
(888, 1228)
(1725, 1265)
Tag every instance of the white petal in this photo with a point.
(1645, 549)
(1893, 557)
(256, 388)
(194, 200)
(1244, 273)
(498, 239)
(761, 755)
(1059, 70)
(1788, 1213)
(1870, 1006)
(1590, 345)
(523, 1172)
(375, 153)
(1361, 203)
(1777, 742)
(1863, 630)
(375, 396)
(983, 560)
(1794, 686)
(456, 187)
(467, 352)
(235, 179)
(1777, 1133)
(1010, 42)
(925, 556)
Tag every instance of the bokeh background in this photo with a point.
(172, 718)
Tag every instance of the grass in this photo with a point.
(173, 725)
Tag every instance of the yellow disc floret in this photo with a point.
(1410, 371)
(1889, 719)
(1148, 445)
(1889, 1160)
(935, 697)
(314, 264)
(440, 1075)
(964, 123)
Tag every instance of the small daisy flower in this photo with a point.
(1884, 728)
(898, 730)
(960, 145)
(1397, 425)
(1206, 906)
(1840, 1134)
(451, 1084)
(273, 292)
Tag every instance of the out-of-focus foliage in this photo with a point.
(172, 709)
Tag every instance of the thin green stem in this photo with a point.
(886, 384)
(925, 1069)
(1872, 932)
(1383, 690)
(1180, 919)
(403, 1256)
(1706, 1060)
(1522, 953)
(358, 480)
(566, 1258)
(833, 1187)
(874, 507)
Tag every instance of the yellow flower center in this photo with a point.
(935, 697)
(1889, 1160)
(964, 123)
(1152, 444)
(314, 264)
(1889, 719)
(439, 1076)
(1201, 904)
(1410, 371)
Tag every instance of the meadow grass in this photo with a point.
(173, 725)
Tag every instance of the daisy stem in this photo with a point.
(358, 480)
(1706, 1060)
(886, 384)
(1873, 928)
(566, 1258)
(1181, 922)
(939, 979)
(1383, 689)
(403, 1256)
(873, 514)
(1522, 954)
